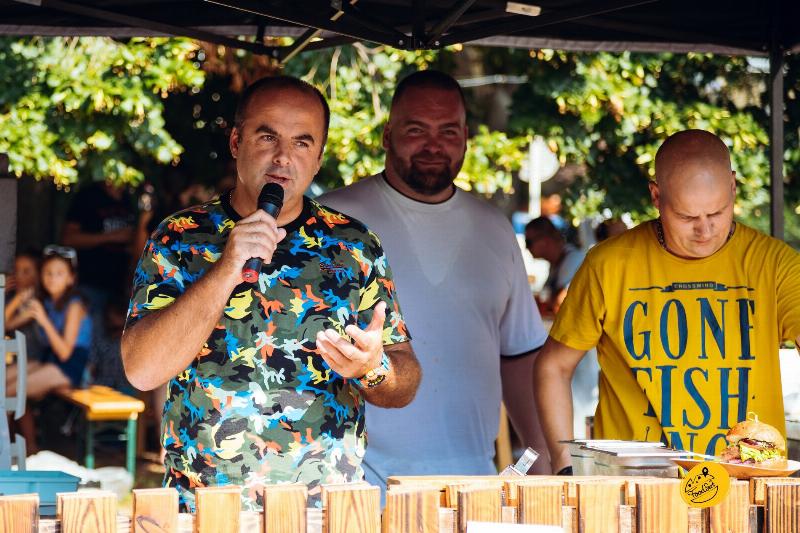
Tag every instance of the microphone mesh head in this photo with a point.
(272, 193)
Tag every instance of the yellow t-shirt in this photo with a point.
(686, 347)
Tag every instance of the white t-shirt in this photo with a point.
(465, 296)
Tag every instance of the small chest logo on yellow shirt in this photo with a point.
(705, 485)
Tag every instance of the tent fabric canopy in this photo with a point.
(722, 26)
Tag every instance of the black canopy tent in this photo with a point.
(734, 27)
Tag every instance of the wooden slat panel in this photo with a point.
(441, 482)
(510, 486)
(571, 493)
(758, 490)
(285, 508)
(19, 513)
(627, 519)
(410, 511)
(733, 513)
(598, 506)
(753, 516)
(447, 520)
(452, 490)
(478, 504)
(698, 520)
(352, 509)
(87, 512)
(569, 519)
(218, 509)
(336, 487)
(783, 508)
(314, 520)
(540, 503)
(451, 494)
(630, 492)
(420, 487)
(659, 507)
(155, 510)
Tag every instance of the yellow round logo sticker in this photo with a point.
(705, 485)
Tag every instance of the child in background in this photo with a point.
(66, 327)
(26, 273)
(21, 286)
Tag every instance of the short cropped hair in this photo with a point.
(543, 227)
(428, 79)
(277, 83)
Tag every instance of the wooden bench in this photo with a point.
(102, 404)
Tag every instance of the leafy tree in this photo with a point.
(610, 112)
(94, 108)
(90, 108)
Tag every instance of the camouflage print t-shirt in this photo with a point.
(259, 405)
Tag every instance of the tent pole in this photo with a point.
(776, 135)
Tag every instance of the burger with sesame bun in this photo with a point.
(755, 443)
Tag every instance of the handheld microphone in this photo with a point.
(270, 200)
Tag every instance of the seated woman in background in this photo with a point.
(66, 327)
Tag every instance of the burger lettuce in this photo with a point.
(758, 456)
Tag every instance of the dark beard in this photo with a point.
(428, 183)
(421, 181)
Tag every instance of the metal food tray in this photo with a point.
(630, 462)
(582, 451)
(626, 455)
(612, 443)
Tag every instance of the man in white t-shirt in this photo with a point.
(466, 296)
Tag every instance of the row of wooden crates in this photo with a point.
(435, 504)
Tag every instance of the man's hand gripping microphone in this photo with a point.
(270, 201)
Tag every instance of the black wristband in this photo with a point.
(566, 471)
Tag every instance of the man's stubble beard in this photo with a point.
(424, 182)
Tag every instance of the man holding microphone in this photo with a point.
(267, 380)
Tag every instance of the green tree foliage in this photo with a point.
(93, 108)
(90, 108)
(611, 112)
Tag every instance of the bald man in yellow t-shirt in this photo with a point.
(687, 313)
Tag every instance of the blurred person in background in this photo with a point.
(64, 322)
(25, 274)
(608, 228)
(545, 241)
(23, 285)
(100, 225)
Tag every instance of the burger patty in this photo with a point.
(758, 444)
